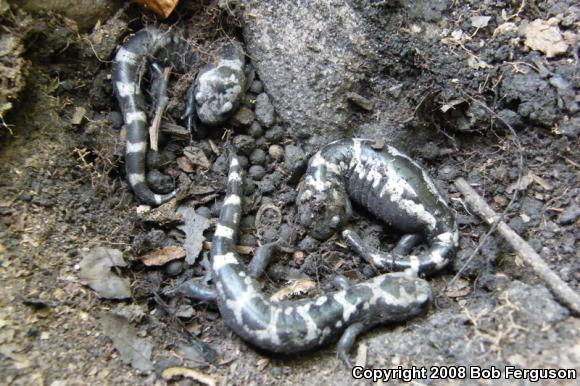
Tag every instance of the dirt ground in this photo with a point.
(63, 192)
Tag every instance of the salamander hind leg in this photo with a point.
(347, 341)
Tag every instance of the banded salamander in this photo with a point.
(216, 93)
(392, 187)
(293, 326)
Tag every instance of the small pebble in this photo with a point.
(570, 215)
(258, 157)
(174, 268)
(274, 135)
(262, 143)
(243, 117)
(244, 144)
(293, 156)
(265, 113)
(257, 87)
(243, 160)
(309, 244)
(257, 172)
(255, 130)
(276, 152)
(115, 120)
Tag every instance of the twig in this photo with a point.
(561, 290)
(162, 104)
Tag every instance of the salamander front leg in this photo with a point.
(194, 290)
(406, 244)
(347, 340)
(341, 282)
(263, 256)
(379, 261)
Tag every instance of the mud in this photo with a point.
(62, 188)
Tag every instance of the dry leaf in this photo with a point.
(161, 7)
(298, 287)
(194, 226)
(196, 156)
(133, 350)
(263, 363)
(480, 21)
(543, 37)
(241, 249)
(163, 256)
(525, 181)
(542, 182)
(173, 372)
(95, 271)
(185, 164)
(458, 289)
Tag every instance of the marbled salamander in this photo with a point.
(392, 187)
(294, 326)
(216, 93)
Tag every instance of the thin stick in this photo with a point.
(566, 295)
(163, 101)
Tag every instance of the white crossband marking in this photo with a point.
(126, 56)
(224, 231)
(136, 178)
(135, 116)
(137, 147)
(233, 200)
(127, 89)
(219, 261)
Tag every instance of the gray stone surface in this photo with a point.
(307, 57)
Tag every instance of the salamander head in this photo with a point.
(220, 88)
(322, 213)
(407, 296)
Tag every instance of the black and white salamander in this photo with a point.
(392, 187)
(216, 93)
(293, 326)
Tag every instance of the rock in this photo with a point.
(244, 144)
(571, 127)
(255, 130)
(257, 87)
(570, 215)
(174, 268)
(534, 97)
(159, 182)
(529, 299)
(243, 117)
(323, 48)
(309, 244)
(243, 160)
(220, 165)
(293, 156)
(275, 135)
(257, 172)
(265, 113)
(276, 152)
(115, 120)
(258, 157)
(269, 183)
(360, 101)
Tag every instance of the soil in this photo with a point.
(63, 192)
